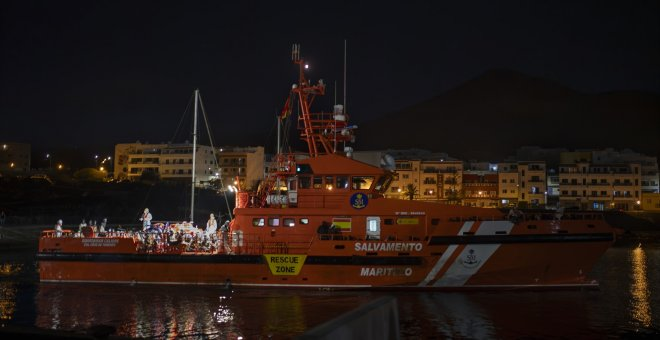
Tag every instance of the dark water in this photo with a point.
(626, 305)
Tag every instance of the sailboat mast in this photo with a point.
(194, 154)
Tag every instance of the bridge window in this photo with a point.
(273, 221)
(304, 182)
(304, 221)
(362, 182)
(383, 183)
(317, 182)
(304, 169)
(258, 222)
(329, 182)
(289, 222)
(342, 182)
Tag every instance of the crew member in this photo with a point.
(102, 226)
(224, 229)
(146, 219)
(58, 228)
(211, 225)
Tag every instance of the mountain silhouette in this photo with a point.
(489, 117)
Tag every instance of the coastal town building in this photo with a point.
(552, 187)
(480, 188)
(518, 183)
(14, 157)
(166, 161)
(650, 202)
(243, 165)
(648, 169)
(533, 185)
(589, 183)
(175, 162)
(422, 175)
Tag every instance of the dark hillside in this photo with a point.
(489, 117)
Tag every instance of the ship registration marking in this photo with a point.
(100, 242)
(281, 264)
(385, 271)
(411, 213)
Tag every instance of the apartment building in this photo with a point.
(533, 184)
(244, 165)
(167, 161)
(650, 202)
(15, 157)
(587, 185)
(480, 189)
(508, 181)
(648, 169)
(433, 176)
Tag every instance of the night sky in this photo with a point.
(91, 74)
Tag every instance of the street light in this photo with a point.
(50, 161)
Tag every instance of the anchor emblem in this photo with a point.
(470, 260)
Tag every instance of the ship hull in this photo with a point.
(439, 263)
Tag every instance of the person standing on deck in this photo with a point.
(211, 225)
(224, 229)
(102, 226)
(146, 219)
(58, 228)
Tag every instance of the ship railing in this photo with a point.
(53, 233)
(82, 234)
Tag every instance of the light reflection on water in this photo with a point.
(628, 277)
(7, 300)
(640, 304)
(8, 290)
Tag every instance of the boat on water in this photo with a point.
(321, 220)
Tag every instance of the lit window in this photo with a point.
(273, 221)
(362, 182)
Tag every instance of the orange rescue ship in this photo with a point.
(320, 220)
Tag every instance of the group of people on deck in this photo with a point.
(211, 225)
(157, 236)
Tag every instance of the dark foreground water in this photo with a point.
(626, 306)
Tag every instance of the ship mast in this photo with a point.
(321, 131)
(194, 153)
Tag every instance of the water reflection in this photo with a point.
(467, 318)
(135, 311)
(641, 307)
(184, 312)
(8, 290)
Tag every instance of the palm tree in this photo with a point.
(411, 191)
